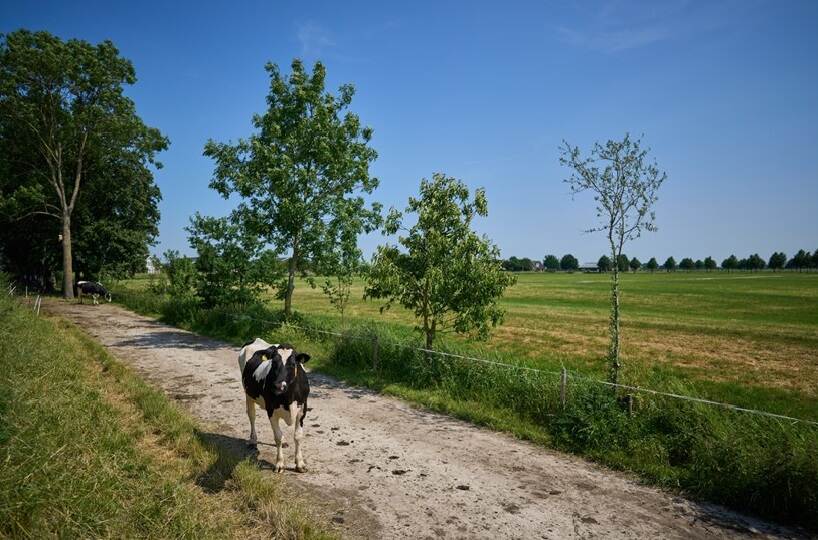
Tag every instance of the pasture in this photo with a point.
(750, 338)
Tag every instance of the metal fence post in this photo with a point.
(375, 352)
(563, 384)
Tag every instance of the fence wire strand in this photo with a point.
(574, 375)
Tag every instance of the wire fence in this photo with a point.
(564, 373)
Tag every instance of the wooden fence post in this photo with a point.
(375, 352)
(563, 384)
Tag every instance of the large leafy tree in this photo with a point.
(635, 264)
(624, 183)
(687, 264)
(777, 261)
(444, 272)
(710, 263)
(670, 264)
(233, 265)
(652, 264)
(730, 263)
(604, 264)
(569, 262)
(303, 172)
(551, 262)
(66, 128)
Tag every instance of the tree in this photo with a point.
(635, 264)
(624, 185)
(670, 264)
(233, 266)
(550, 262)
(340, 267)
(730, 263)
(801, 260)
(699, 264)
(303, 173)
(777, 261)
(653, 264)
(687, 264)
(709, 264)
(63, 110)
(755, 262)
(623, 263)
(445, 273)
(569, 262)
(814, 259)
(604, 264)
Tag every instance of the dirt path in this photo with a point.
(387, 470)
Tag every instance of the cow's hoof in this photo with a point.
(300, 468)
(252, 444)
(279, 468)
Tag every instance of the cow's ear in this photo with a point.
(302, 357)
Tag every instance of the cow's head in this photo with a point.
(285, 360)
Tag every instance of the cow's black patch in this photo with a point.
(292, 372)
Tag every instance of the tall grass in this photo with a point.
(87, 449)
(749, 463)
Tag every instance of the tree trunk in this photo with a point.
(67, 265)
(613, 352)
(288, 297)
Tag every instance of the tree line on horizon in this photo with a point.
(802, 260)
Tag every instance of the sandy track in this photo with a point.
(385, 469)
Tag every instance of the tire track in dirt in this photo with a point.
(384, 469)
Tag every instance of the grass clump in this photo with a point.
(89, 450)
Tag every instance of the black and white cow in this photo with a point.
(274, 378)
(94, 289)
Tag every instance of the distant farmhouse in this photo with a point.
(537, 266)
(589, 267)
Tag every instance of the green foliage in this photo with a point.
(302, 173)
(550, 262)
(622, 262)
(669, 264)
(604, 264)
(652, 264)
(699, 264)
(515, 264)
(687, 264)
(67, 127)
(710, 264)
(730, 263)
(777, 261)
(446, 274)
(755, 262)
(569, 262)
(233, 266)
(635, 264)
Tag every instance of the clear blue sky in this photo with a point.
(726, 94)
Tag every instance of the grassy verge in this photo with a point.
(749, 463)
(89, 450)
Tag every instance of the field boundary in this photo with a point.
(564, 373)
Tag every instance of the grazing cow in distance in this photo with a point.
(92, 288)
(274, 378)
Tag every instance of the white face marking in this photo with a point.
(262, 370)
(285, 354)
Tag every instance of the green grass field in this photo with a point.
(738, 336)
(746, 339)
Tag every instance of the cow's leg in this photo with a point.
(274, 418)
(251, 414)
(95, 296)
(296, 413)
(79, 295)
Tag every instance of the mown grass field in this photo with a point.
(88, 450)
(745, 337)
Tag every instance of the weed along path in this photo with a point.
(387, 470)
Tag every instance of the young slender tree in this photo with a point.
(444, 272)
(624, 184)
(303, 172)
(63, 100)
